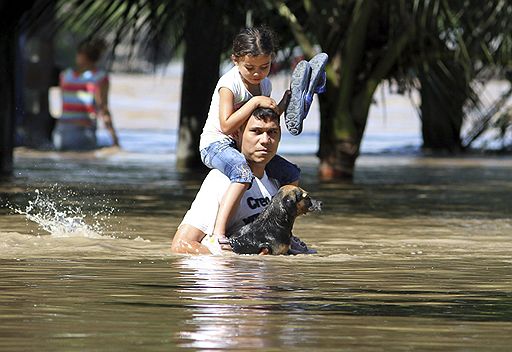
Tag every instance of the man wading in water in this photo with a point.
(258, 140)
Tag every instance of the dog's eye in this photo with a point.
(304, 195)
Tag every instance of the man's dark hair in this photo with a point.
(266, 114)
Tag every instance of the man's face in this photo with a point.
(260, 139)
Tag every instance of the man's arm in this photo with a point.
(200, 218)
(187, 240)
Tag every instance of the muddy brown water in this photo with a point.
(416, 254)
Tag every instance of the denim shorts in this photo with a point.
(223, 156)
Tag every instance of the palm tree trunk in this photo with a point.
(37, 74)
(344, 118)
(340, 137)
(337, 154)
(442, 110)
(341, 134)
(11, 14)
(203, 38)
(7, 92)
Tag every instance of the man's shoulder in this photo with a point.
(220, 182)
(215, 181)
(203, 209)
(215, 174)
(265, 185)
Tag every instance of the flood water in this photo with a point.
(416, 254)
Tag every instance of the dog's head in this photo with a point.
(297, 201)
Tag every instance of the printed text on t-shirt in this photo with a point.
(254, 203)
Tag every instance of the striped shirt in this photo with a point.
(78, 95)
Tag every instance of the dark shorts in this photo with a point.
(73, 137)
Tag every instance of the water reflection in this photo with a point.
(225, 301)
(327, 302)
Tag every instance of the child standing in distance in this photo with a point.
(85, 90)
(238, 93)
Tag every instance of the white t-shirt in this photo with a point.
(233, 81)
(203, 211)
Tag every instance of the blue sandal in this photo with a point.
(301, 100)
(296, 109)
(318, 78)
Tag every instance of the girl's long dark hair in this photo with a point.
(254, 41)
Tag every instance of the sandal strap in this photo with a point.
(322, 83)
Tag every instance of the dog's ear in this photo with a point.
(304, 202)
(302, 195)
(298, 195)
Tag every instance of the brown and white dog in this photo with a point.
(271, 232)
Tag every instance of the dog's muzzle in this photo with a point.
(316, 205)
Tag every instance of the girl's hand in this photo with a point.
(223, 242)
(266, 102)
(283, 104)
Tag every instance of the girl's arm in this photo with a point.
(104, 112)
(231, 120)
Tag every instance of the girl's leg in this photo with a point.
(224, 157)
(228, 207)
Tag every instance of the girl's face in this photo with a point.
(254, 68)
(82, 61)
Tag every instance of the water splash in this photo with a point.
(61, 219)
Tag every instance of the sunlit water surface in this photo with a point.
(416, 254)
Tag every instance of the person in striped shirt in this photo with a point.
(84, 101)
